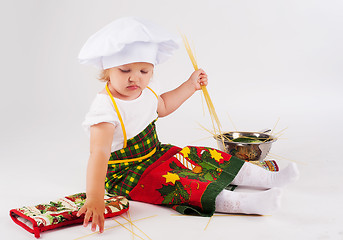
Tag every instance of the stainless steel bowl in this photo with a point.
(246, 151)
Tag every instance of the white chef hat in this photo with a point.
(128, 40)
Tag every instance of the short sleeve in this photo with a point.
(100, 111)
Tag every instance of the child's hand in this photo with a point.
(94, 209)
(198, 79)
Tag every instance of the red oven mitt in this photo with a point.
(62, 212)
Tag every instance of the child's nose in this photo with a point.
(134, 77)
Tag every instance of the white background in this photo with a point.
(266, 60)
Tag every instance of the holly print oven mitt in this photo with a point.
(62, 212)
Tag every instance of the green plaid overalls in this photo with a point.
(126, 165)
(122, 177)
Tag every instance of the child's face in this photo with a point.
(128, 81)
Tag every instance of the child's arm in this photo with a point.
(101, 136)
(170, 101)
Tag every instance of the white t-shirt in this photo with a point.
(137, 114)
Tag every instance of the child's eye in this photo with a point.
(144, 72)
(124, 70)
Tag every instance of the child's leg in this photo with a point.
(255, 176)
(262, 202)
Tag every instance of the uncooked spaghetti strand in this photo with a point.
(278, 133)
(273, 155)
(189, 51)
(128, 229)
(208, 222)
(209, 131)
(97, 232)
(278, 136)
(271, 133)
(240, 215)
(202, 104)
(136, 227)
(131, 224)
(213, 115)
(275, 126)
(211, 106)
(233, 124)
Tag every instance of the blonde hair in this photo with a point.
(104, 75)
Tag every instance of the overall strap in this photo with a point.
(153, 92)
(119, 116)
(118, 113)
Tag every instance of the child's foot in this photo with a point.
(286, 176)
(265, 202)
(262, 203)
(255, 176)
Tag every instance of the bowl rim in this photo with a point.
(273, 138)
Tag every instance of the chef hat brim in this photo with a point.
(120, 41)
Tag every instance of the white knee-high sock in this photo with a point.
(262, 202)
(255, 176)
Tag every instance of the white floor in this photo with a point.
(311, 208)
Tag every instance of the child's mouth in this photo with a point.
(133, 87)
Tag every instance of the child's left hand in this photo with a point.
(198, 79)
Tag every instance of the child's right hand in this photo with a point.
(198, 79)
(95, 209)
